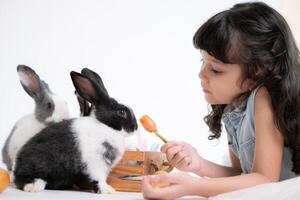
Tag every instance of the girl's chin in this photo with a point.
(213, 101)
(209, 99)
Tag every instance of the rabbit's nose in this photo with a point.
(133, 119)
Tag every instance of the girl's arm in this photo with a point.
(267, 153)
(182, 184)
(186, 158)
(214, 170)
(266, 163)
(215, 186)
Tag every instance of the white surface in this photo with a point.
(13, 194)
(144, 52)
(142, 49)
(285, 190)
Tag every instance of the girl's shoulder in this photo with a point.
(264, 117)
(258, 96)
(258, 103)
(262, 99)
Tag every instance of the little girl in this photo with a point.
(251, 78)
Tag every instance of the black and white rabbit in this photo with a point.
(85, 148)
(49, 108)
(87, 108)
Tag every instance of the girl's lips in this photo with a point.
(205, 90)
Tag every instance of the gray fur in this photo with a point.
(44, 105)
(44, 109)
(110, 153)
(39, 91)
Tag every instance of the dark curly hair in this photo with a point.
(258, 38)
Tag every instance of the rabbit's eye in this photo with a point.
(122, 113)
(49, 106)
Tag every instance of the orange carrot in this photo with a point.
(148, 123)
(150, 126)
(4, 179)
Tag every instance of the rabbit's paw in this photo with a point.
(37, 186)
(107, 189)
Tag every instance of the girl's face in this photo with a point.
(221, 83)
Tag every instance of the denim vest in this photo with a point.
(239, 124)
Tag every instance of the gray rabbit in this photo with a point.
(49, 108)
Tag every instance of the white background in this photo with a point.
(142, 50)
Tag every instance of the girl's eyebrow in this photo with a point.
(215, 60)
(212, 59)
(220, 63)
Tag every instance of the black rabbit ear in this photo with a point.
(95, 78)
(31, 83)
(87, 90)
(83, 105)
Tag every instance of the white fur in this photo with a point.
(37, 186)
(61, 110)
(90, 135)
(26, 127)
(131, 142)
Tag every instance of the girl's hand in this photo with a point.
(183, 156)
(180, 184)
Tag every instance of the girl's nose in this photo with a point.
(201, 74)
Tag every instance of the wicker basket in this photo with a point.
(136, 164)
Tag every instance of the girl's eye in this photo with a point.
(215, 71)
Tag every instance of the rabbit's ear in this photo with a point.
(87, 90)
(83, 105)
(31, 82)
(95, 78)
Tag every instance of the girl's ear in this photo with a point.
(251, 85)
(248, 85)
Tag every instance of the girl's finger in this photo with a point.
(169, 191)
(147, 188)
(171, 179)
(180, 155)
(172, 151)
(149, 192)
(168, 145)
(184, 163)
